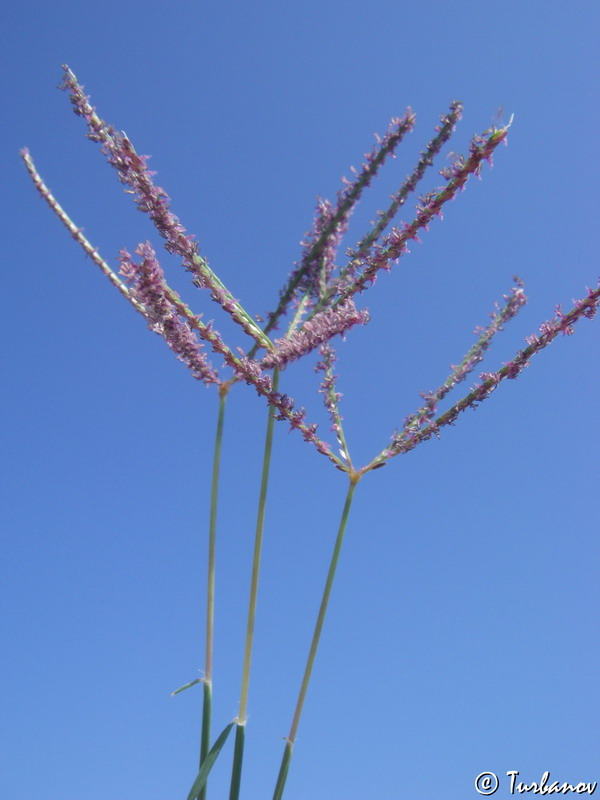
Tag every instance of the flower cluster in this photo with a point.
(514, 302)
(148, 286)
(409, 438)
(132, 170)
(315, 272)
(320, 243)
(443, 133)
(316, 331)
(153, 200)
(320, 290)
(362, 271)
(331, 397)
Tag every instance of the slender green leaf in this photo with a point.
(207, 764)
(186, 686)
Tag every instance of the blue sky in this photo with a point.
(462, 633)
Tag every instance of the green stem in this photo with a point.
(238, 757)
(283, 770)
(243, 709)
(205, 733)
(287, 753)
(210, 594)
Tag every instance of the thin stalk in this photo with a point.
(243, 709)
(297, 318)
(210, 593)
(205, 730)
(289, 746)
(77, 233)
(238, 757)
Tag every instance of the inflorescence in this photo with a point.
(319, 294)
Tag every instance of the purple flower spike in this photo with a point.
(153, 200)
(131, 168)
(444, 132)
(408, 439)
(396, 243)
(514, 302)
(320, 329)
(330, 223)
(147, 285)
(331, 397)
(316, 269)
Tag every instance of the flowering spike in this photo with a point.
(77, 233)
(514, 302)
(444, 132)
(331, 399)
(409, 438)
(320, 329)
(326, 231)
(149, 288)
(359, 273)
(153, 200)
(317, 268)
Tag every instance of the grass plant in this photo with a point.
(317, 302)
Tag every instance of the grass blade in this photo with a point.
(207, 764)
(186, 686)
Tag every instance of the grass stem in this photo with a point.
(243, 708)
(210, 593)
(287, 753)
(238, 757)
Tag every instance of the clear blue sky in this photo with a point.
(462, 633)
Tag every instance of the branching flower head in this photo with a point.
(322, 290)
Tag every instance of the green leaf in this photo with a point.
(186, 686)
(207, 764)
